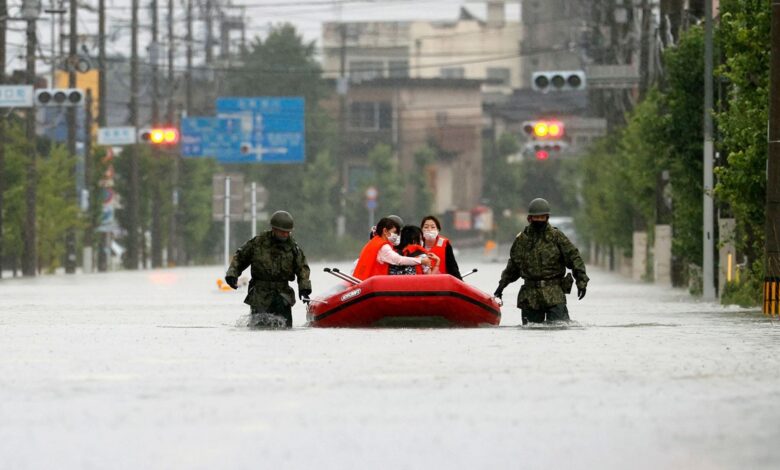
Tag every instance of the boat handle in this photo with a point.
(469, 274)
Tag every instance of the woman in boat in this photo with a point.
(411, 245)
(439, 246)
(378, 255)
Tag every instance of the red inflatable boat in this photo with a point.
(437, 300)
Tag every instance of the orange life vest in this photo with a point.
(367, 264)
(439, 249)
(415, 251)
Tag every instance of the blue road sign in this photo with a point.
(272, 129)
(209, 137)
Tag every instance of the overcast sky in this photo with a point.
(306, 15)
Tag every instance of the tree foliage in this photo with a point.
(663, 134)
(56, 208)
(743, 36)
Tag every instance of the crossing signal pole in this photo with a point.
(772, 221)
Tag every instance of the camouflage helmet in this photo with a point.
(539, 206)
(396, 219)
(282, 220)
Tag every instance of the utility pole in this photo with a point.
(30, 252)
(644, 50)
(3, 16)
(88, 177)
(343, 85)
(188, 73)
(156, 215)
(70, 237)
(102, 258)
(131, 262)
(209, 34)
(171, 84)
(172, 227)
(708, 232)
(772, 221)
(154, 50)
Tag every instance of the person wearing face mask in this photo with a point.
(439, 246)
(276, 259)
(378, 254)
(540, 255)
(411, 245)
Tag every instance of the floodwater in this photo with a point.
(150, 370)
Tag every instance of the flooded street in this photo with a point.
(149, 370)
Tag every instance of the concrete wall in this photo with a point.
(662, 255)
(639, 259)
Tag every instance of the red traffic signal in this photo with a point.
(544, 129)
(542, 154)
(159, 136)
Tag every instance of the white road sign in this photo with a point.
(16, 96)
(116, 135)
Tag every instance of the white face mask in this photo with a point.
(394, 238)
(430, 235)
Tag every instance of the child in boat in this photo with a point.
(411, 246)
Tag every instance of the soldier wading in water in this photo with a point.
(276, 260)
(540, 255)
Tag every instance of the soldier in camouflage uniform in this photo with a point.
(276, 260)
(540, 255)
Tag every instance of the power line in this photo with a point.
(316, 69)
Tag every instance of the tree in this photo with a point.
(387, 179)
(316, 222)
(57, 212)
(200, 236)
(284, 65)
(420, 183)
(743, 36)
(683, 108)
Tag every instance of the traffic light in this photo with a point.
(544, 129)
(59, 97)
(159, 136)
(562, 80)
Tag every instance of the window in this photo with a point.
(452, 72)
(360, 70)
(370, 115)
(498, 75)
(398, 69)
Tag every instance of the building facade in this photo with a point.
(467, 48)
(411, 114)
